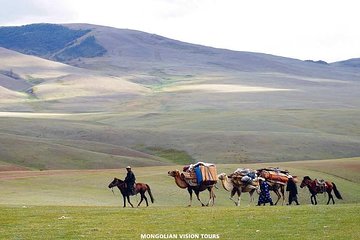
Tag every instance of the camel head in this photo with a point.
(173, 173)
(222, 176)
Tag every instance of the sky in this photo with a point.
(302, 29)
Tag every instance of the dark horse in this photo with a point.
(139, 188)
(314, 189)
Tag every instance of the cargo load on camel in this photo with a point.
(243, 176)
(275, 175)
(200, 173)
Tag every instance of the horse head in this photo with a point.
(305, 182)
(115, 182)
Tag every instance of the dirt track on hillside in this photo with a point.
(28, 174)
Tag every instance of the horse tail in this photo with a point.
(337, 193)
(150, 194)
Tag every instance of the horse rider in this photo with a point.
(130, 181)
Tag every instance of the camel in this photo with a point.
(233, 187)
(181, 183)
(275, 186)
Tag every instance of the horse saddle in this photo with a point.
(131, 190)
(321, 185)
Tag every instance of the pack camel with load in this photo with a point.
(197, 177)
(275, 175)
(241, 180)
(277, 179)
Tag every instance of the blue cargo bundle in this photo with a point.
(199, 177)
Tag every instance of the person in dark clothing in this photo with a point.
(264, 196)
(292, 189)
(130, 181)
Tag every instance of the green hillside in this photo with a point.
(109, 140)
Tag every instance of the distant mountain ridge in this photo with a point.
(50, 41)
(142, 61)
(353, 62)
(77, 44)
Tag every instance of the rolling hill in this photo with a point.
(74, 99)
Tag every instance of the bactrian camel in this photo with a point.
(197, 189)
(234, 187)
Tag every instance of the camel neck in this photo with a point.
(181, 183)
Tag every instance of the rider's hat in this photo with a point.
(128, 167)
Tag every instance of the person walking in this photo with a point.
(264, 196)
(292, 189)
(130, 181)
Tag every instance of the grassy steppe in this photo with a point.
(303, 222)
(76, 204)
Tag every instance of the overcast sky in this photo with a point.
(302, 29)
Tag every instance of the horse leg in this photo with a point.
(124, 200)
(330, 197)
(142, 198)
(147, 203)
(315, 200)
(128, 199)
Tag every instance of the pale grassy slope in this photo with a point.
(7, 95)
(13, 83)
(86, 86)
(52, 80)
(30, 66)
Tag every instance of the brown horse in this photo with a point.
(197, 189)
(139, 188)
(314, 189)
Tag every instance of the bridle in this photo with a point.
(305, 182)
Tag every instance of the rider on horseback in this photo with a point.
(130, 181)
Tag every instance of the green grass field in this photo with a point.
(280, 222)
(76, 204)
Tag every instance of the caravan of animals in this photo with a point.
(203, 176)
